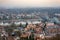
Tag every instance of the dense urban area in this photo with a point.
(30, 24)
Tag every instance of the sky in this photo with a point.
(29, 3)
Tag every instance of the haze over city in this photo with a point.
(29, 19)
(29, 3)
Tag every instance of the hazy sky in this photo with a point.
(29, 3)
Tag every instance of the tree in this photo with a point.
(26, 24)
(13, 25)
